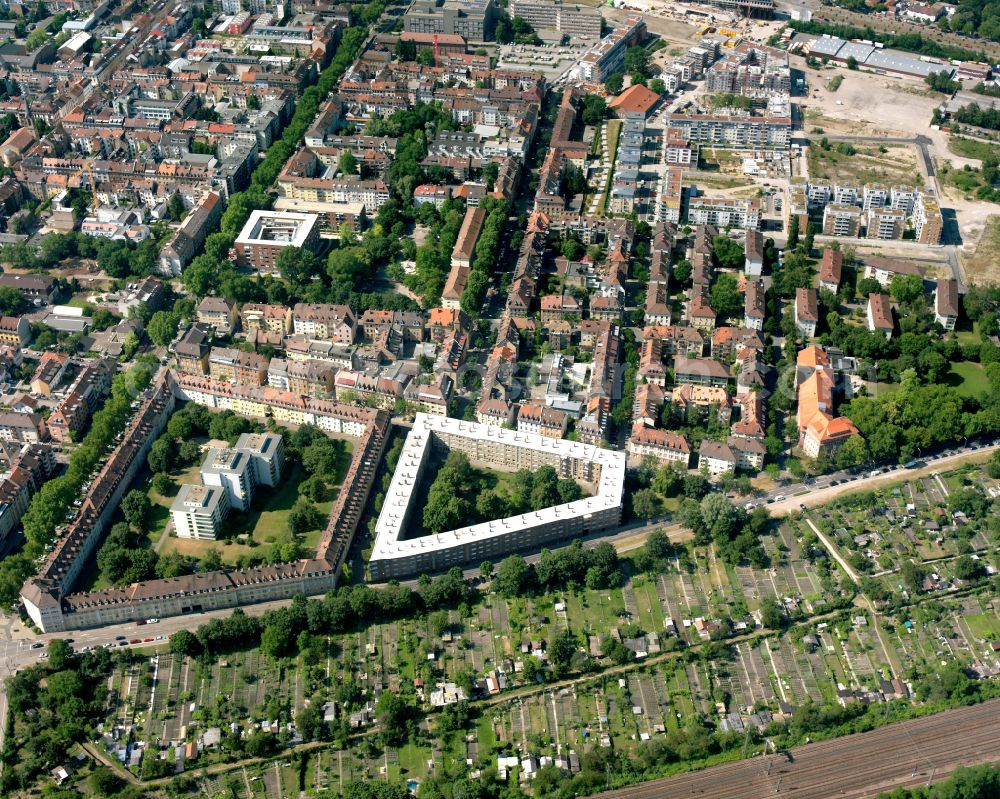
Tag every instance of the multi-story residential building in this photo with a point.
(267, 233)
(381, 392)
(700, 372)
(187, 240)
(749, 453)
(880, 315)
(218, 313)
(873, 196)
(542, 421)
(33, 287)
(25, 428)
(886, 223)
(819, 430)
(568, 18)
(91, 385)
(308, 378)
(663, 445)
(842, 220)
(233, 471)
(806, 312)
(928, 223)
(738, 131)
(267, 453)
(724, 212)
(237, 366)
(198, 511)
(324, 321)
(468, 236)
(754, 306)
(717, 458)
(831, 269)
(903, 198)
(191, 352)
(393, 556)
(946, 303)
(271, 318)
(608, 55)
(885, 269)
(473, 20)
(15, 330)
(50, 372)
(753, 264)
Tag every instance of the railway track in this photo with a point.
(906, 754)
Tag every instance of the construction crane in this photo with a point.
(437, 54)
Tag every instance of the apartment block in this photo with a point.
(886, 223)
(842, 220)
(946, 303)
(928, 223)
(198, 511)
(267, 233)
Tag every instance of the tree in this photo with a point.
(637, 61)
(906, 288)
(512, 576)
(135, 507)
(562, 648)
(658, 545)
(646, 504)
(185, 642)
(161, 455)
(104, 782)
(968, 569)
(348, 164)
(793, 232)
(726, 299)
(393, 713)
(595, 109)
(406, 50)
(162, 328)
(486, 570)
(163, 484)
(175, 208)
(59, 654)
(613, 83)
(304, 516)
(12, 301)
(770, 614)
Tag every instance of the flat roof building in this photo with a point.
(267, 233)
(198, 511)
(234, 472)
(394, 557)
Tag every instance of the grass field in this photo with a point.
(972, 148)
(265, 524)
(968, 378)
(983, 266)
(897, 165)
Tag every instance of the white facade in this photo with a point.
(506, 449)
(198, 511)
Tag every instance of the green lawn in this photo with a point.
(266, 523)
(968, 379)
(984, 625)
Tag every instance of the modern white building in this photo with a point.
(394, 557)
(233, 471)
(198, 511)
(267, 452)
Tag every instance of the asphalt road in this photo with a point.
(908, 753)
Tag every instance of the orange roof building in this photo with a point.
(635, 100)
(820, 430)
